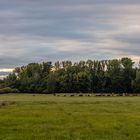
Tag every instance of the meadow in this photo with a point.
(48, 117)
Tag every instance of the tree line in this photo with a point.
(91, 76)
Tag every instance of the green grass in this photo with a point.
(47, 117)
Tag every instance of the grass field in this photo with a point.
(47, 117)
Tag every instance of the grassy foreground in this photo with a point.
(46, 117)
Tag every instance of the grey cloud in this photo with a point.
(63, 26)
(133, 39)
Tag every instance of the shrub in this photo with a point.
(8, 90)
(46, 91)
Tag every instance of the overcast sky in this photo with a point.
(44, 30)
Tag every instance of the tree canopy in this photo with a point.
(104, 76)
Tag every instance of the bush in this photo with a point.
(8, 90)
(46, 91)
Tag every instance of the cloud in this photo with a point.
(36, 31)
(6, 70)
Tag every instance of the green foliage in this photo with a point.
(108, 76)
(136, 82)
(9, 90)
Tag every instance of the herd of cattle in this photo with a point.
(100, 94)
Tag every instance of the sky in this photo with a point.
(51, 30)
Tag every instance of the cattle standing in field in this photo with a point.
(72, 95)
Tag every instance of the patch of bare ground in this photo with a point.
(7, 103)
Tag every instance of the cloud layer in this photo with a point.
(35, 31)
